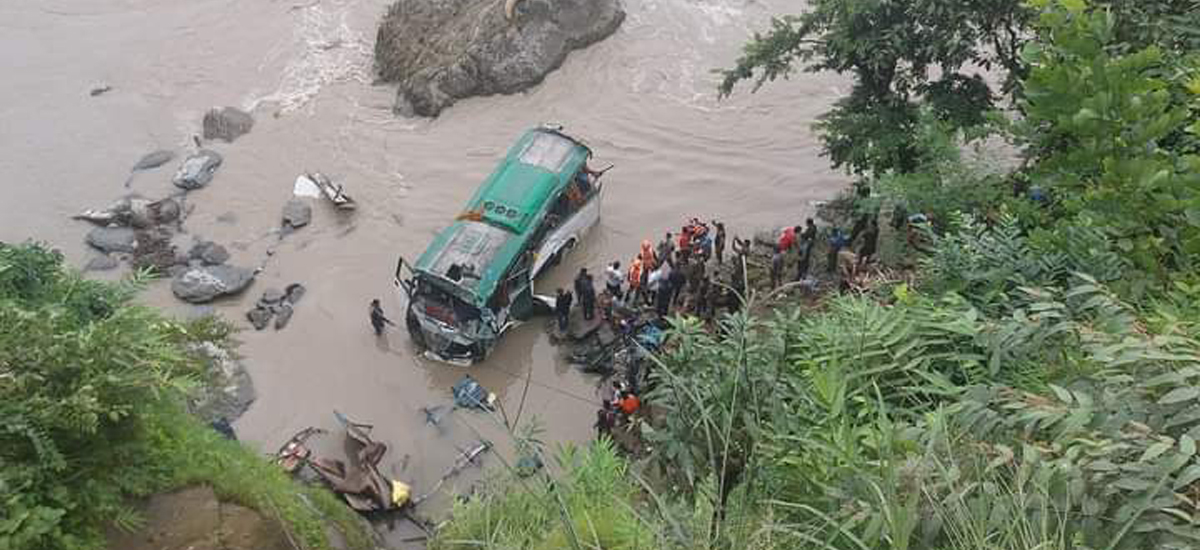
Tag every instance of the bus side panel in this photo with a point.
(572, 229)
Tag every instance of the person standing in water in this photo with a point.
(378, 319)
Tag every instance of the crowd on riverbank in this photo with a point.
(703, 271)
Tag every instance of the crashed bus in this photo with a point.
(476, 279)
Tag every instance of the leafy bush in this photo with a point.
(1098, 122)
(590, 505)
(91, 413)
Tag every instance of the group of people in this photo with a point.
(618, 410)
(679, 271)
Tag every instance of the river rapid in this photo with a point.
(644, 99)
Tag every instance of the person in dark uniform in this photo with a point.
(585, 289)
(378, 319)
(870, 243)
(562, 309)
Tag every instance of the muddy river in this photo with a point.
(643, 98)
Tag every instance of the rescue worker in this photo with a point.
(837, 240)
(719, 241)
(606, 419)
(666, 248)
(777, 266)
(613, 278)
(803, 263)
(663, 294)
(630, 404)
(378, 319)
(649, 261)
(685, 242)
(585, 289)
(870, 243)
(562, 309)
(605, 302)
(634, 279)
(809, 237)
(677, 280)
(701, 299)
(787, 239)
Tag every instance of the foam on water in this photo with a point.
(691, 28)
(324, 49)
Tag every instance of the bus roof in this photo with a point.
(504, 213)
(536, 168)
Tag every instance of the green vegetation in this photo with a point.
(1036, 387)
(92, 415)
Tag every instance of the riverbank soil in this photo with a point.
(194, 519)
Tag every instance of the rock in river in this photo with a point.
(101, 263)
(209, 253)
(227, 124)
(204, 284)
(113, 239)
(153, 160)
(440, 51)
(296, 214)
(197, 170)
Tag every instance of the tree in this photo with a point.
(1102, 126)
(891, 48)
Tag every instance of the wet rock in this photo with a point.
(141, 215)
(154, 251)
(204, 284)
(113, 239)
(296, 214)
(271, 297)
(197, 170)
(283, 314)
(439, 52)
(230, 391)
(259, 317)
(153, 160)
(209, 253)
(227, 124)
(101, 263)
(165, 211)
(295, 292)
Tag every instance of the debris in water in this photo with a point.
(314, 184)
(306, 187)
(470, 394)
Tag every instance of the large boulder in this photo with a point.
(113, 239)
(440, 51)
(197, 170)
(202, 284)
(227, 124)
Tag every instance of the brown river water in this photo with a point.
(644, 99)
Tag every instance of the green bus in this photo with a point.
(475, 281)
